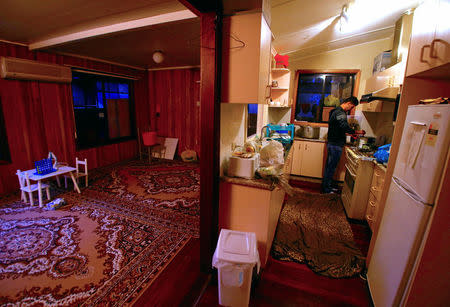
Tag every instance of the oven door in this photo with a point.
(349, 179)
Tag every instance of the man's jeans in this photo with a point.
(333, 157)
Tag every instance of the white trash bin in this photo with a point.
(235, 256)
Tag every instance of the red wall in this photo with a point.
(39, 117)
(175, 93)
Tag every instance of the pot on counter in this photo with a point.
(310, 132)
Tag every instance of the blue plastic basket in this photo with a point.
(44, 167)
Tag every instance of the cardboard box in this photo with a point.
(382, 61)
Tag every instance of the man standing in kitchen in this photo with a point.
(337, 128)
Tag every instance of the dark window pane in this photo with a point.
(4, 146)
(311, 84)
(318, 90)
(123, 88)
(96, 122)
(100, 100)
(112, 87)
(253, 108)
(112, 95)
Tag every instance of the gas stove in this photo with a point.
(364, 155)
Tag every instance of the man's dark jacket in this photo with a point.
(338, 127)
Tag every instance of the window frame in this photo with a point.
(298, 72)
(104, 77)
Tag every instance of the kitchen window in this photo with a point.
(252, 119)
(103, 108)
(318, 92)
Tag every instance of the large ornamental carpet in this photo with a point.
(107, 245)
(314, 230)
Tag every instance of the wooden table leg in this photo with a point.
(75, 184)
(40, 193)
(57, 180)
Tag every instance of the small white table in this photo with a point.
(61, 171)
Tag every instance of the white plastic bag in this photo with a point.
(272, 154)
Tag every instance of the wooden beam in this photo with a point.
(121, 26)
(210, 59)
(202, 6)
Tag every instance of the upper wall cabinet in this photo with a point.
(430, 37)
(246, 59)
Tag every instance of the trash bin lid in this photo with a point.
(237, 247)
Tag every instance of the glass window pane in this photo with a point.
(318, 90)
(253, 108)
(311, 83)
(112, 87)
(100, 100)
(92, 125)
(112, 95)
(123, 88)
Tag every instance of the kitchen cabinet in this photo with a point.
(430, 37)
(279, 91)
(307, 159)
(251, 209)
(375, 190)
(246, 59)
(378, 106)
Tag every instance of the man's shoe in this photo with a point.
(328, 192)
(337, 191)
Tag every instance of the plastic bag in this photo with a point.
(272, 154)
(382, 154)
(55, 204)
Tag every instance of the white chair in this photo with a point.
(79, 173)
(26, 187)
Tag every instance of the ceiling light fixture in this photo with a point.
(343, 17)
(158, 56)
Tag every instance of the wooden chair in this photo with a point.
(26, 187)
(79, 173)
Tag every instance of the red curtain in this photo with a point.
(39, 117)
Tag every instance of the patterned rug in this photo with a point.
(313, 229)
(107, 245)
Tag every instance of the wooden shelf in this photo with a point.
(280, 88)
(280, 70)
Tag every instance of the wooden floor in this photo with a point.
(280, 283)
(180, 283)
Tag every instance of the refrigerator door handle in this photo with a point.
(409, 192)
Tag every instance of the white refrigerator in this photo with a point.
(411, 200)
